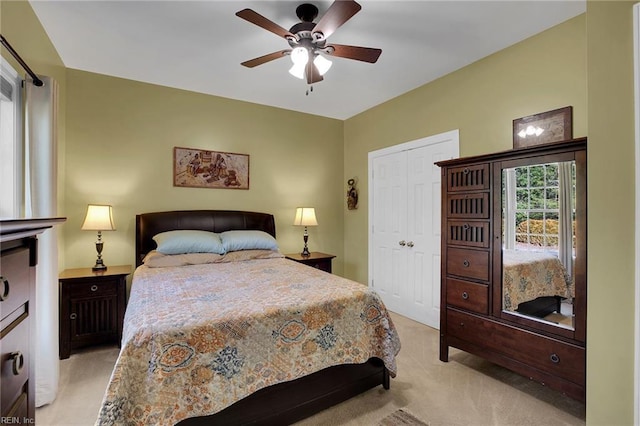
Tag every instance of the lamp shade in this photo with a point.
(99, 218)
(305, 216)
(299, 57)
(322, 63)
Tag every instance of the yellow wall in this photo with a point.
(539, 74)
(611, 192)
(116, 138)
(120, 139)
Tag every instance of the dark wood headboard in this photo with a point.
(150, 224)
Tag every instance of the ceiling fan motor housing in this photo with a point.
(304, 30)
(307, 12)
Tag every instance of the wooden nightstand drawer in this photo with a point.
(316, 260)
(323, 265)
(93, 288)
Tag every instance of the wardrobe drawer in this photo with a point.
(468, 233)
(92, 288)
(468, 178)
(544, 353)
(14, 284)
(467, 295)
(15, 363)
(468, 206)
(20, 408)
(468, 263)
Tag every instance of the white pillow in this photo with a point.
(247, 240)
(188, 241)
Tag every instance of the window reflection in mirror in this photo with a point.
(538, 203)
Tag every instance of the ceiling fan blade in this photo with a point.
(365, 54)
(262, 22)
(337, 14)
(312, 73)
(266, 58)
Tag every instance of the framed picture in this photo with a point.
(200, 168)
(546, 127)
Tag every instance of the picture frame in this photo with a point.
(201, 168)
(545, 127)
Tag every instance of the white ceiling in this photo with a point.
(199, 45)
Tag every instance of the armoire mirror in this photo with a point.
(543, 231)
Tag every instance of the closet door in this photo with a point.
(404, 216)
(422, 301)
(390, 229)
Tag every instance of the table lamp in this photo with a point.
(99, 218)
(305, 216)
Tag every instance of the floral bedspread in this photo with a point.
(198, 338)
(530, 274)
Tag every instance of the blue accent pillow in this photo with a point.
(247, 240)
(188, 241)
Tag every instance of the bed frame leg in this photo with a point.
(385, 379)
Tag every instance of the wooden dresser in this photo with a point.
(476, 315)
(18, 241)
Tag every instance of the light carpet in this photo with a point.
(402, 418)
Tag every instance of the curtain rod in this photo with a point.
(36, 80)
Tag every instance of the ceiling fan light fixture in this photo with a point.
(297, 70)
(322, 64)
(299, 57)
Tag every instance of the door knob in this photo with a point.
(402, 243)
(410, 244)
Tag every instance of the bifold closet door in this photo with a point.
(406, 232)
(390, 229)
(423, 231)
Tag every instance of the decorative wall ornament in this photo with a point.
(210, 169)
(352, 194)
(546, 127)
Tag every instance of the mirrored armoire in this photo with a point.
(514, 272)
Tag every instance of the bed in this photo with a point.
(247, 337)
(534, 282)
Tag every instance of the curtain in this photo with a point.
(509, 240)
(41, 201)
(565, 222)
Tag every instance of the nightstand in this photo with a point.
(317, 260)
(92, 306)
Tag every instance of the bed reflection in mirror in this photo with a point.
(538, 225)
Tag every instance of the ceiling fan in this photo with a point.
(307, 40)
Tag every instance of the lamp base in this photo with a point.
(305, 250)
(99, 266)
